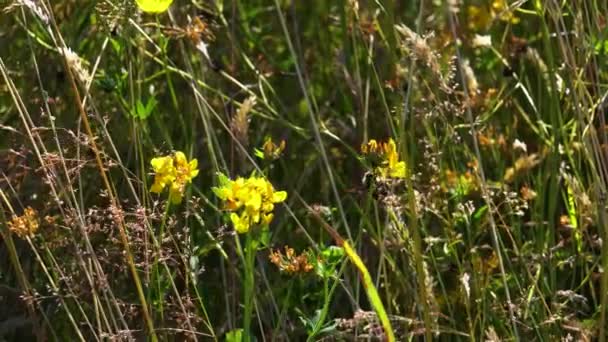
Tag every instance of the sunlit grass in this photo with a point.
(276, 170)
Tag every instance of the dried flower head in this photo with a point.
(77, 64)
(419, 48)
(39, 11)
(25, 225)
(462, 184)
(270, 150)
(522, 165)
(290, 262)
(240, 122)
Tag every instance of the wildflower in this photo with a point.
(185, 171)
(164, 173)
(501, 10)
(175, 172)
(460, 185)
(480, 17)
(270, 150)
(290, 262)
(527, 194)
(25, 225)
(250, 200)
(370, 147)
(390, 166)
(154, 6)
(491, 138)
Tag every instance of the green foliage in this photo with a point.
(496, 108)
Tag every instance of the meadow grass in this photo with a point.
(303, 170)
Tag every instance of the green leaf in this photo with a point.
(258, 153)
(142, 111)
(330, 259)
(235, 335)
(479, 213)
(370, 289)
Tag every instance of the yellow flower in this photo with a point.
(370, 147)
(390, 166)
(500, 9)
(251, 200)
(164, 173)
(480, 17)
(270, 150)
(394, 168)
(175, 172)
(241, 223)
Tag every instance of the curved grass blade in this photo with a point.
(368, 284)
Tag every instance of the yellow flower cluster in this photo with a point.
(26, 224)
(480, 17)
(390, 166)
(251, 200)
(501, 9)
(174, 171)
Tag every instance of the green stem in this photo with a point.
(324, 310)
(249, 284)
(156, 271)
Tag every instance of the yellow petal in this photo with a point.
(267, 207)
(180, 158)
(279, 196)
(154, 6)
(268, 218)
(193, 167)
(222, 193)
(241, 224)
(398, 171)
(254, 201)
(157, 187)
(161, 163)
(255, 217)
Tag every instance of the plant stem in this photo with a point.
(156, 272)
(249, 284)
(323, 314)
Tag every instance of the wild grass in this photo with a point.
(444, 165)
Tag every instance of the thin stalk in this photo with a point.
(323, 314)
(407, 154)
(327, 294)
(249, 270)
(109, 189)
(156, 272)
(485, 192)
